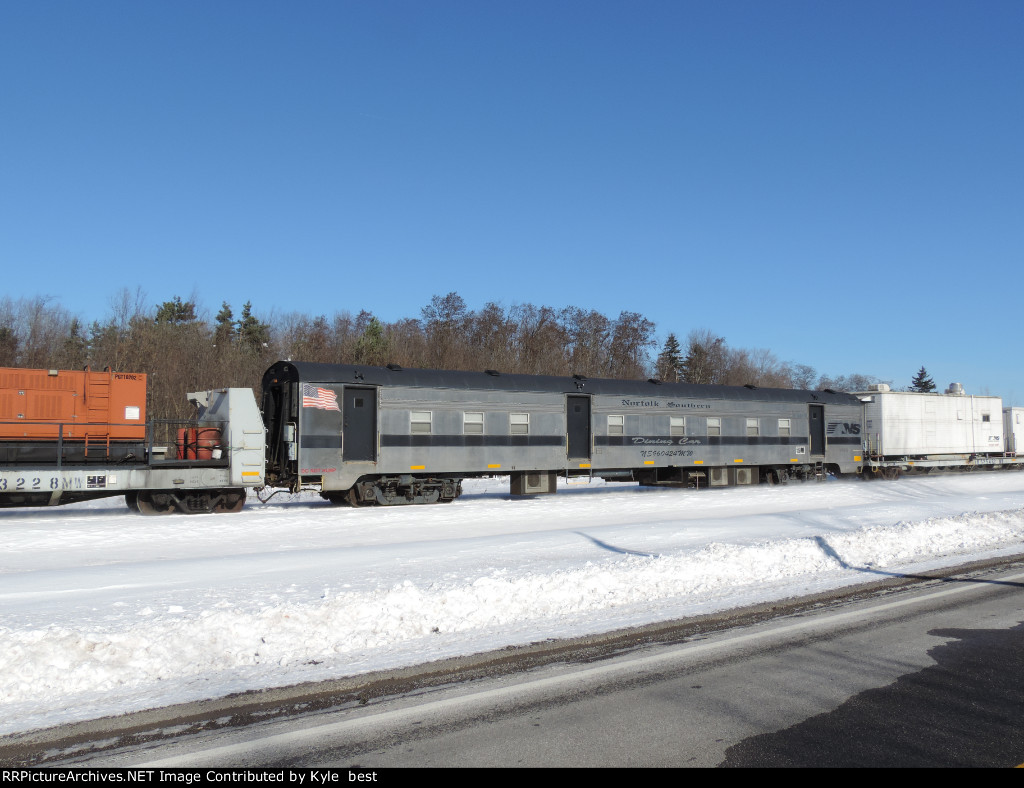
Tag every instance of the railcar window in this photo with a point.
(714, 425)
(472, 423)
(420, 421)
(986, 417)
(753, 428)
(677, 425)
(615, 425)
(785, 428)
(519, 423)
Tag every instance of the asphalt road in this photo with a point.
(908, 672)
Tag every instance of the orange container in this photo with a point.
(207, 439)
(36, 403)
(184, 444)
(197, 444)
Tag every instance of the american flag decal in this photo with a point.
(316, 397)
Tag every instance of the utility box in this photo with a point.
(739, 475)
(912, 424)
(718, 477)
(532, 482)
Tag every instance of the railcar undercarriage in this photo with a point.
(217, 501)
(398, 490)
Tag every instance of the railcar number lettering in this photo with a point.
(23, 483)
(666, 453)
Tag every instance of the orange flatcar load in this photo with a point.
(89, 414)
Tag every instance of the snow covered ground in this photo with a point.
(103, 612)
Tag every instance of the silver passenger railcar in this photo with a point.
(389, 435)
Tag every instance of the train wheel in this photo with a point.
(354, 498)
(150, 502)
(891, 473)
(231, 501)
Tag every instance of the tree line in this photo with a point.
(182, 348)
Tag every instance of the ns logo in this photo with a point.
(843, 428)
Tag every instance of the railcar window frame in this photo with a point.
(753, 428)
(785, 428)
(714, 426)
(518, 423)
(616, 427)
(417, 422)
(473, 423)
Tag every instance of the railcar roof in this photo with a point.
(352, 374)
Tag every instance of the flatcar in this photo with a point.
(388, 435)
(67, 437)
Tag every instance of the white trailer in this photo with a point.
(907, 425)
(1013, 430)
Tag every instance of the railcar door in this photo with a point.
(817, 428)
(359, 426)
(577, 424)
(278, 412)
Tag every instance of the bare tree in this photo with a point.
(445, 321)
(491, 339)
(589, 335)
(540, 340)
(408, 343)
(632, 339)
(705, 359)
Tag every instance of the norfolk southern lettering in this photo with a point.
(656, 403)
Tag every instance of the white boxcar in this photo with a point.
(1013, 429)
(911, 424)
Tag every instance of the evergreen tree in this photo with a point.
(373, 346)
(176, 311)
(670, 360)
(921, 382)
(252, 334)
(74, 353)
(224, 333)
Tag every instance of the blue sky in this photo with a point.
(839, 182)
